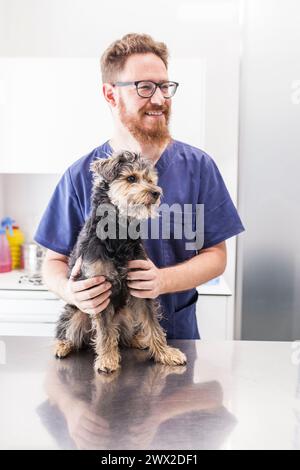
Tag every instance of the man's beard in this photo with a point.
(157, 134)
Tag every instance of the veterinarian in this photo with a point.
(139, 94)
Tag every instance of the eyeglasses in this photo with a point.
(146, 89)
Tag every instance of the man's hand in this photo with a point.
(147, 282)
(90, 295)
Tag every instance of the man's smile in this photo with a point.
(154, 114)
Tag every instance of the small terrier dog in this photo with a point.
(127, 183)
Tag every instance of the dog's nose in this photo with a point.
(155, 194)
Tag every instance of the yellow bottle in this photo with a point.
(15, 239)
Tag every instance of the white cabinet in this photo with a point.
(26, 310)
(212, 317)
(22, 316)
(51, 112)
(214, 310)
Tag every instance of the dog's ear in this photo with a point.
(125, 156)
(105, 168)
(108, 168)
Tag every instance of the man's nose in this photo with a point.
(157, 97)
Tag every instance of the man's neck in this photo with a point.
(150, 151)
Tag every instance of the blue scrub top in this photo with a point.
(187, 175)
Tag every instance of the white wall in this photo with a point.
(82, 28)
(25, 199)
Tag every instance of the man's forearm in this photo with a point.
(55, 277)
(194, 272)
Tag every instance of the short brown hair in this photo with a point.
(115, 56)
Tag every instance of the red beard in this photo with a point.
(157, 133)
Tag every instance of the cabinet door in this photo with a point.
(27, 329)
(29, 317)
(212, 317)
(51, 113)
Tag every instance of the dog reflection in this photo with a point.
(143, 406)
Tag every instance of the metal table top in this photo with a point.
(230, 395)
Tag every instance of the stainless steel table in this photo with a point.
(231, 395)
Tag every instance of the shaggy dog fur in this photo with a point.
(127, 183)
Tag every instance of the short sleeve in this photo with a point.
(62, 220)
(221, 219)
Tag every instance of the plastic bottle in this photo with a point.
(5, 255)
(15, 240)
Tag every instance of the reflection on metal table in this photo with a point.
(230, 395)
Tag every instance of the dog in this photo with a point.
(127, 183)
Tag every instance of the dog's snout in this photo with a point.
(155, 194)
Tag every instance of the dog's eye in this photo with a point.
(131, 179)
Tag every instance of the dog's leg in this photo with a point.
(154, 335)
(73, 330)
(106, 341)
(159, 349)
(62, 348)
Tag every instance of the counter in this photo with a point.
(29, 309)
(230, 395)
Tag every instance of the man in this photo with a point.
(137, 89)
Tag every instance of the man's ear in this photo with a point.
(109, 94)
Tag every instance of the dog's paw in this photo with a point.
(171, 357)
(107, 364)
(62, 348)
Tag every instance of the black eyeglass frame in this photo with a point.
(159, 85)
